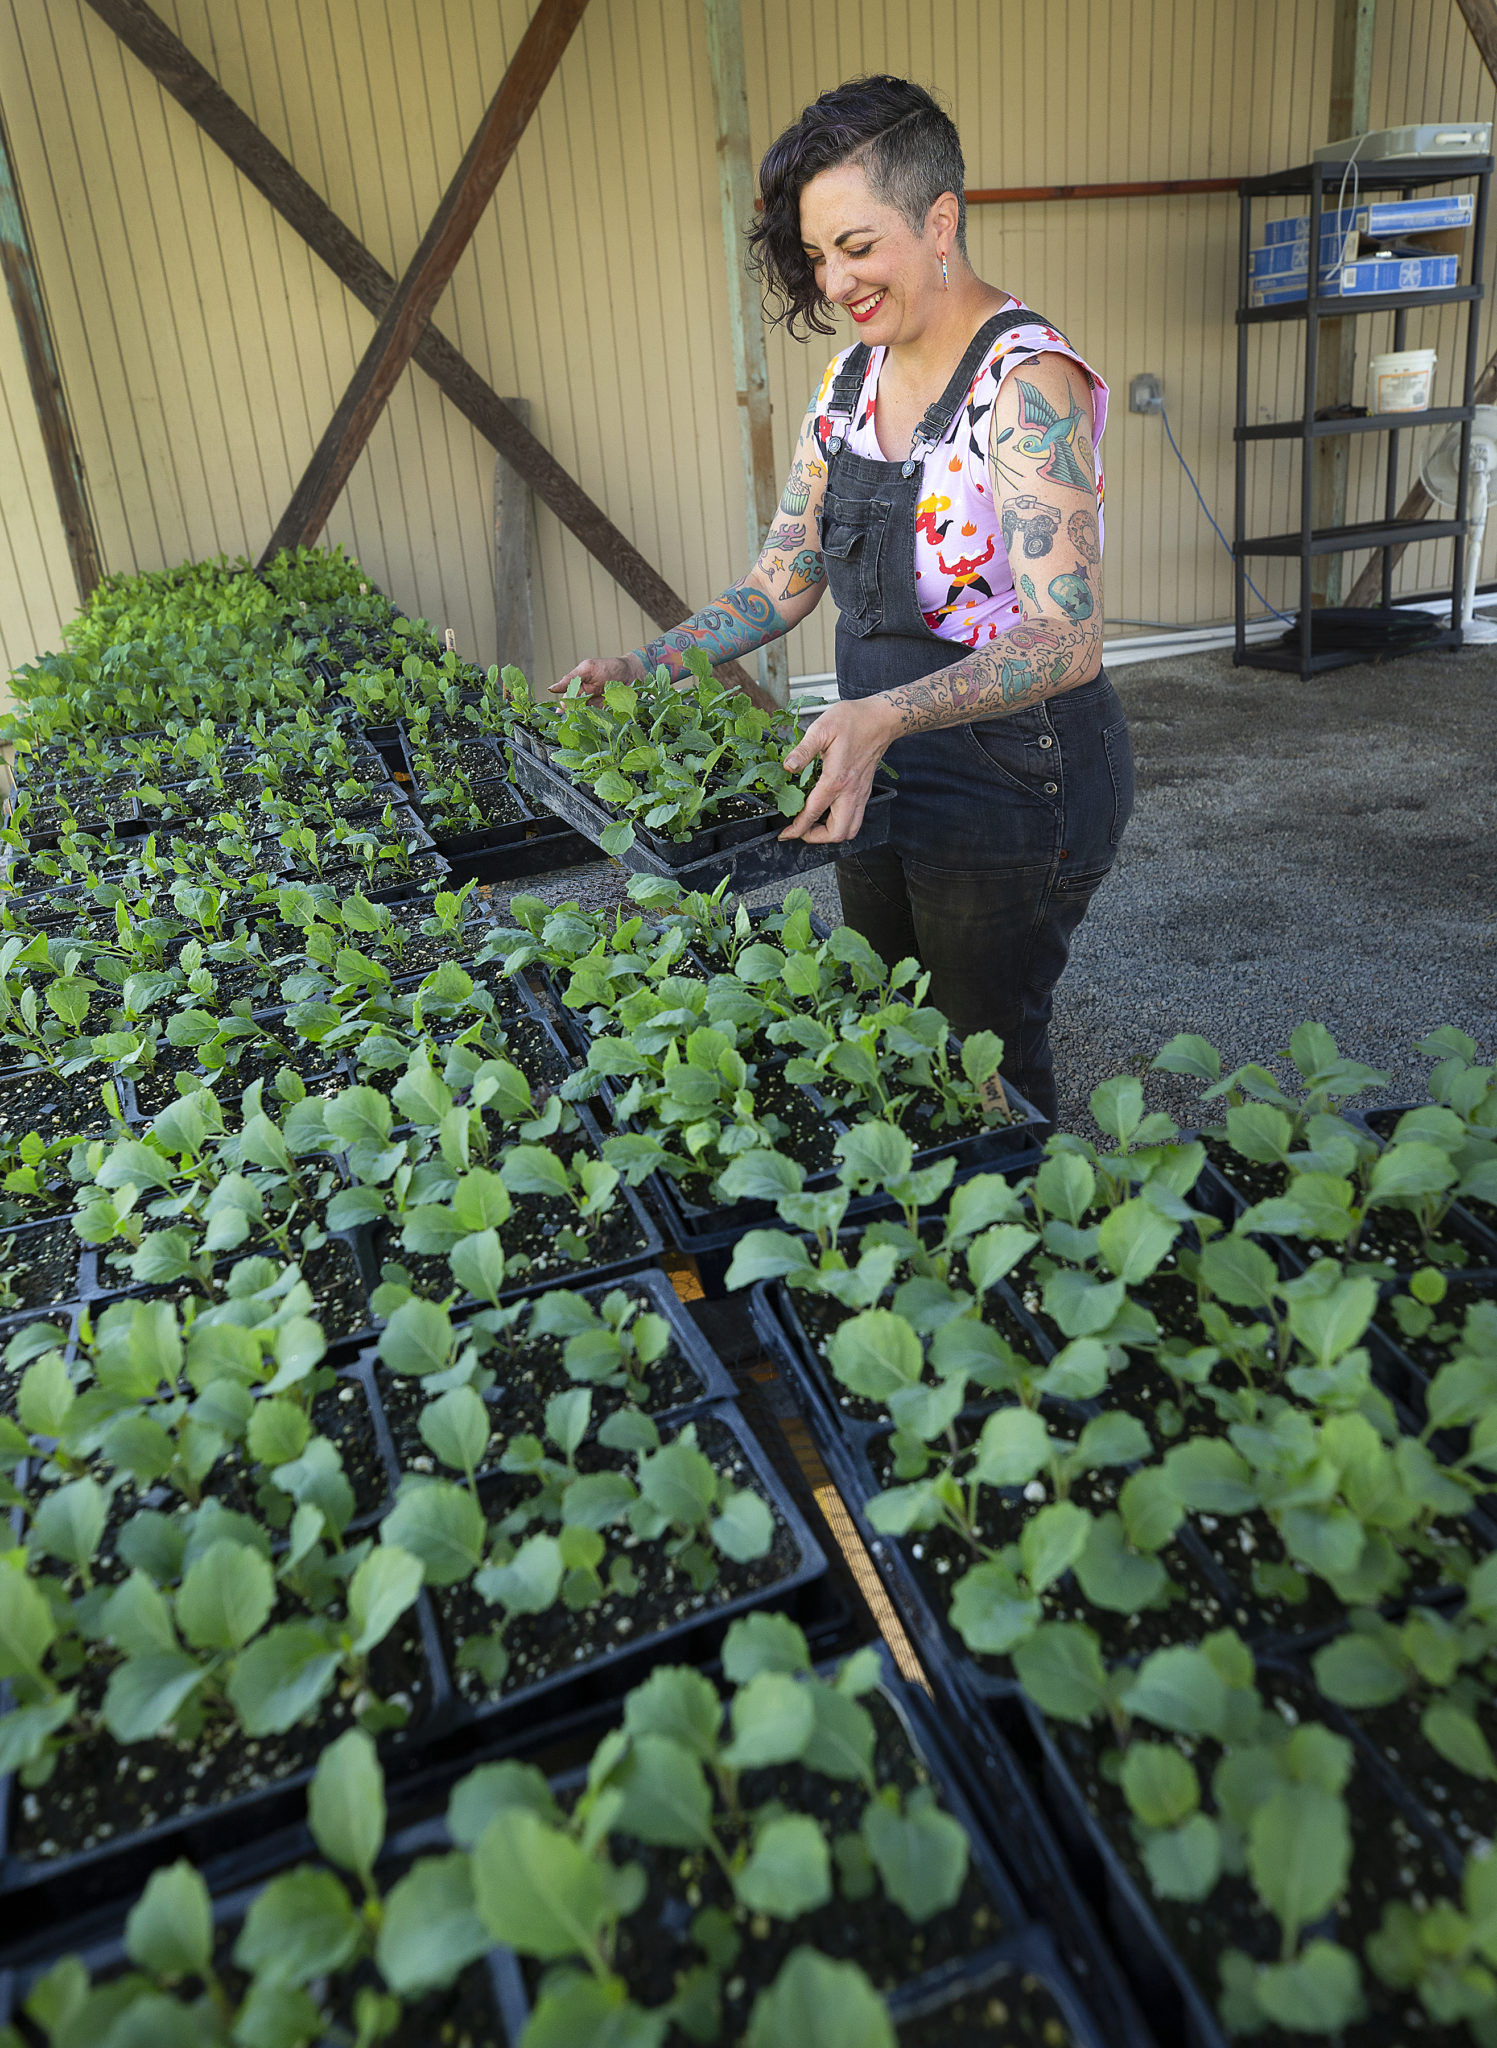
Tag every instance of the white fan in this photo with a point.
(1441, 473)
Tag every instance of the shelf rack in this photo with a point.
(1307, 542)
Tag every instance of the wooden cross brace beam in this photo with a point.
(303, 208)
(427, 274)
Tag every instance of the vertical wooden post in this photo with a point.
(25, 288)
(735, 184)
(514, 622)
(1335, 383)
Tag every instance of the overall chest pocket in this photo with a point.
(852, 542)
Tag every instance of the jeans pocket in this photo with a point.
(852, 532)
(1021, 749)
(1082, 883)
(1119, 750)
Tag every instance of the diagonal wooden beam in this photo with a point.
(427, 275)
(45, 378)
(256, 157)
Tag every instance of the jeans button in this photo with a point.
(1051, 788)
(1047, 742)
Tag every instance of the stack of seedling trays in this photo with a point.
(748, 851)
(515, 839)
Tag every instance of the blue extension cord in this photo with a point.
(1287, 617)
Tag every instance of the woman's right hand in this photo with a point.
(598, 671)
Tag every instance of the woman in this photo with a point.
(945, 488)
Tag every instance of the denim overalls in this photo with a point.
(1002, 829)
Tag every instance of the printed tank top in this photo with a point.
(962, 551)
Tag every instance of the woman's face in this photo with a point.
(866, 256)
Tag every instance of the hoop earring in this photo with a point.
(944, 278)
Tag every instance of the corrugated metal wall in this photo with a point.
(204, 348)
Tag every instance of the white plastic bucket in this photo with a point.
(1401, 381)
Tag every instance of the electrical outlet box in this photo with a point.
(1146, 393)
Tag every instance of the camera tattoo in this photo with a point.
(1035, 521)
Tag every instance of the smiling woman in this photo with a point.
(953, 442)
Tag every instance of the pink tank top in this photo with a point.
(962, 571)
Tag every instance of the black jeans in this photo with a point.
(1019, 846)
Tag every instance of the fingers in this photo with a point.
(833, 812)
(813, 741)
(593, 674)
(843, 821)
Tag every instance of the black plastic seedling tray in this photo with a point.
(37, 1896)
(758, 857)
(1020, 1948)
(806, 1593)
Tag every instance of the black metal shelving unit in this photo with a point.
(1307, 542)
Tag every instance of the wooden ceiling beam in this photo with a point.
(428, 273)
(272, 174)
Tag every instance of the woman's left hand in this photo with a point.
(851, 738)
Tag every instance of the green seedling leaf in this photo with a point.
(680, 1704)
(1298, 1854)
(1013, 1447)
(226, 1597)
(679, 1483)
(774, 1718)
(536, 1889)
(665, 1797)
(596, 2011)
(1135, 1239)
(69, 1524)
(418, 1338)
(764, 1642)
(429, 1930)
(455, 1427)
(745, 1528)
(440, 1523)
(1061, 1669)
(816, 2000)
(491, 1789)
(1459, 1739)
(27, 1625)
(280, 1678)
(1159, 1784)
(790, 1870)
(991, 1610)
(384, 1587)
(1179, 1689)
(300, 1927)
(530, 1582)
(1185, 1862)
(144, 1696)
(346, 1804)
(920, 1853)
(170, 1929)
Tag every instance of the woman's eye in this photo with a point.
(859, 254)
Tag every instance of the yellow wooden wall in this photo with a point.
(203, 347)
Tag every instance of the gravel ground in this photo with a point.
(1318, 849)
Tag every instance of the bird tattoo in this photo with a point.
(1054, 438)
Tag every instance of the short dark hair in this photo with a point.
(909, 150)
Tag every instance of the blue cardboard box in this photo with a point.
(1390, 217)
(1362, 279)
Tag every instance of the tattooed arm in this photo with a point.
(782, 587)
(1042, 466)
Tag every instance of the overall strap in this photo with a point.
(845, 388)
